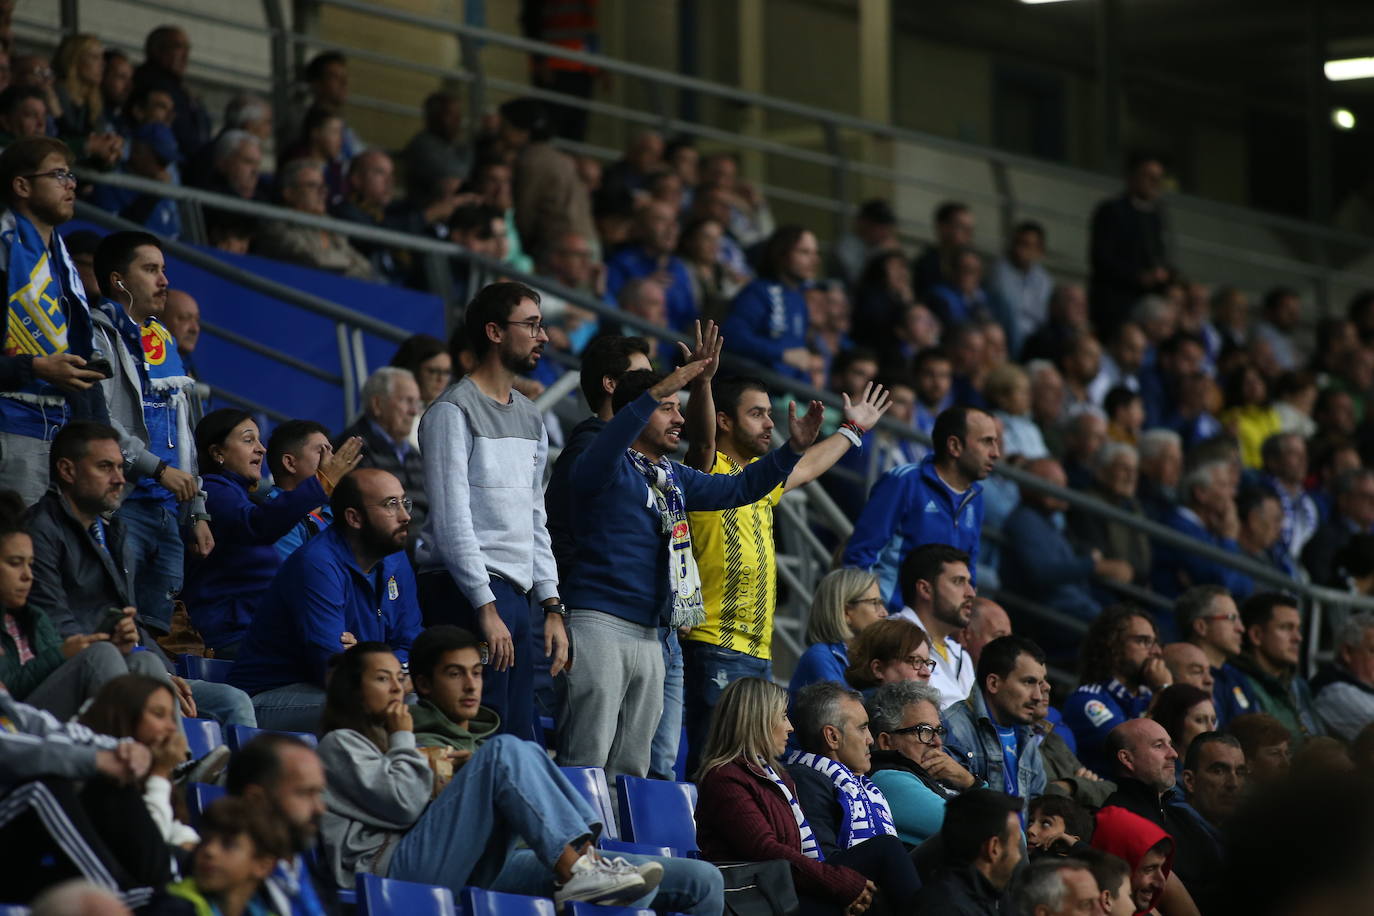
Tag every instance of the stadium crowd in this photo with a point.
(401, 604)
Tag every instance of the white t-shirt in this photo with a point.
(954, 675)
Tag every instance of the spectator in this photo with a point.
(476, 228)
(1161, 469)
(980, 844)
(391, 407)
(1179, 357)
(846, 603)
(1068, 319)
(1128, 251)
(1047, 399)
(750, 221)
(767, 322)
(303, 189)
(1266, 743)
(1041, 564)
(896, 519)
(181, 318)
(1273, 641)
(241, 847)
(953, 223)
(849, 815)
(714, 201)
(1207, 513)
(1214, 776)
(49, 382)
(936, 580)
(571, 262)
(32, 71)
(437, 151)
(1259, 536)
(115, 81)
(1065, 774)
(369, 202)
(967, 348)
(236, 167)
(1149, 852)
(1344, 689)
(321, 139)
(987, 621)
(734, 550)
(991, 728)
(1120, 364)
(1125, 410)
(326, 75)
(485, 552)
(714, 284)
(1116, 475)
(295, 452)
(428, 360)
(1207, 617)
(491, 180)
(1248, 415)
(1057, 825)
(1120, 670)
(550, 200)
(747, 805)
(643, 157)
(960, 298)
(153, 154)
(889, 652)
(684, 159)
(81, 245)
(628, 603)
(1185, 712)
(222, 590)
(1056, 887)
(79, 896)
(167, 50)
(656, 237)
(148, 404)
(1083, 434)
(1352, 514)
(913, 330)
(1295, 398)
(78, 576)
(874, 232)
(934, 374)
(882, 295)
(910, 764)
(1282, 314)
(1187, 663)
(1080, 362)
(1008, 391)
(79, 65)
(1284, 457)
(380, 786)
(1019, 286)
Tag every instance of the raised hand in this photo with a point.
(680, 378)
(871, 407)
(805, 428)
(343, 460)
(707, 347)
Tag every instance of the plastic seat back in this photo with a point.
(590, 782)
(197, 668)
(199, 796)
(581, 908)
(202, 736)
(387, 896)
(477, 902)
(615, 847)
(239, 735)
(658, 812)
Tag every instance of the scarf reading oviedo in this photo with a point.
(866, 811)
(36, 325)
(684, 580)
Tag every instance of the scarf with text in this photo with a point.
(684, 580)
(36, 324)
(866, 811)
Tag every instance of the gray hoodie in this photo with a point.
(371, 800)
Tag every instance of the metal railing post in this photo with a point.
(839, 177)
(70, 17)
(282, 72)
(471, 55)
(346, 369)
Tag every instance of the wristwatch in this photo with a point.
(558, 609)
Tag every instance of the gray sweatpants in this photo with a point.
(24, 466)
(615, 695)
(80, 677)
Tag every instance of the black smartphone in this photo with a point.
(102, 366)
(112, 618)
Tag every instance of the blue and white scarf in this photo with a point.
(36, 324)
(866, 811)
(809, 847)
(684, 580)
(163, 379)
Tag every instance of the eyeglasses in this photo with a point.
(926, 665)
(533, 325)
(926, 734)
(61, 176)
(437, 373)
(1229, 618)
(397, 503)
(876, 602)
(1145, 641)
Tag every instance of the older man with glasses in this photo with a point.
(1207, 617)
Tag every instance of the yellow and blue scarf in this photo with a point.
(36, 323)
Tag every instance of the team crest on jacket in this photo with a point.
(392, 591)
(155, 339)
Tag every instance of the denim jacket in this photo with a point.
(973, 738)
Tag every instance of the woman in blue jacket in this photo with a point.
(846, 602)
(223, 588)
(767, 321)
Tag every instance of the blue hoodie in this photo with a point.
(222, 590)
(318, 594)
(620, 555)
(766, 319)
(911, 506)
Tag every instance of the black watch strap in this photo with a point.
(558, 609)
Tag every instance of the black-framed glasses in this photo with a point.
(61, 176)
(534, 325)
(876, 602)
(926, 665)
(397, 503)
(1144, 640)
(926, 734)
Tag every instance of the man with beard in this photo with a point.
(485, 551)
(734, 548)
(1214, 774)
(147, 397)
(938, 584)
(44, 377)
(286, 774)
(352, 583)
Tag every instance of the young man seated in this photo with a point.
(451, 726)
(241, 841)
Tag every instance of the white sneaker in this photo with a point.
(608, 881)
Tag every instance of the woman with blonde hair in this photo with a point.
(747, 808)
(847, 602)
(889, 652)
(79, 64)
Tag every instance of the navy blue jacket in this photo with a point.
(1093, 710)
(910, 506)
(766, 319)
(558, 496)
(633, 261)
(317, 595)
(1176, 571)
(1231, 694)
(1039, 563)
(620, 556)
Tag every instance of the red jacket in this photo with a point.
(1129, 836)
(742, 816)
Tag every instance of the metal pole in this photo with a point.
(282, 73)
(1109, 75)
(71, 23)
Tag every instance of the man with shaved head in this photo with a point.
(350, 583)
(1188, 664)
(987, 621)
(1146, 780)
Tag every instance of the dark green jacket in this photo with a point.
(47, 652)
(1287, 699)
(434, 729)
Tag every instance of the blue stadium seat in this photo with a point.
(199, 796)
(548, 727)
(615, 847)
(581, 908)
(239, 735)
(658, 812)
(197, 668)
(477, 902)
(386, 896)
(590, 782)
(202, 736)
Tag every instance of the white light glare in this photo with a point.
(1350, 68)
(1343, 118)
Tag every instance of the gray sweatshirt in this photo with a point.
(33, 744)
(371, 800)
(484, 473)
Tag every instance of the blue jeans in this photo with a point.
(153, 546)
(663, 753)
(509, 692)
(708, 670)
(293, 708)
(229, 705)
